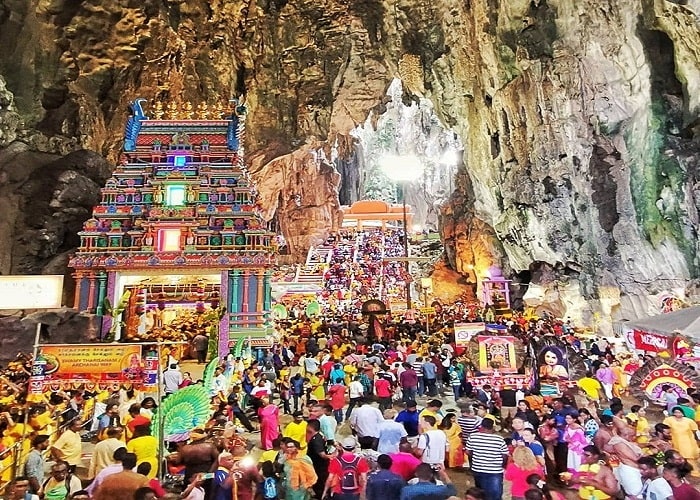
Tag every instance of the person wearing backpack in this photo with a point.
(347, 473)
(268, 487)
(61, 483)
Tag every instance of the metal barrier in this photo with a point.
(13, 451)
(16, 451)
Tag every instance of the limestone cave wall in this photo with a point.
(579, 119)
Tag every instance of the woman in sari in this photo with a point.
(455, 455)
(549, 435)
(318, 393)
(269, 423)
(590, 426)
(637, 419)
(620, 384)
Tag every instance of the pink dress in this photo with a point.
(576, 441)
(269, 425)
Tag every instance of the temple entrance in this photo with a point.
(168, 308)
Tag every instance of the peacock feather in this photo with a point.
(183, 411)
(238, 349)
(208, 374)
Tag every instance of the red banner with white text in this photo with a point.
(650, 342)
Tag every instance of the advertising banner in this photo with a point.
(71, 365)
(497, 353)
(650, 342)
(464, 332)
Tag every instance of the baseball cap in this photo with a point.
(349, 443)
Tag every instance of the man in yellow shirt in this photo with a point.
(296, 430)
(432, 409)
(69, 446)
(590, 386)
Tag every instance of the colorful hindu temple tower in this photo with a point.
(178, 240)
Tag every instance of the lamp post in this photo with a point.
(403, 170)
(427, 285)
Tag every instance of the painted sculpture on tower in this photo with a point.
(179, 227)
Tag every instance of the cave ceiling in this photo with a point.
(578, 122)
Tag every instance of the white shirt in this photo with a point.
(311, 365)
(172, 378)
(219, 384)
(433, 443)
(356, 389)
(259, 392)
(658, 489)
(366, 420)
(197, 493)
(390, 435)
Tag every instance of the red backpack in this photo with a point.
(349, 476)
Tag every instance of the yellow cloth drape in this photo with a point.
(303, 474)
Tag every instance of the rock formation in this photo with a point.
(579, 120)
(301, 190)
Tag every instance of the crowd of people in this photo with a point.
(355, 429)
(336, 409)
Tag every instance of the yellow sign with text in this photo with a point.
(96, 359)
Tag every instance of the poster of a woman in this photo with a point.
(552, 363)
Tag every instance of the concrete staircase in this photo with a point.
(316, 261)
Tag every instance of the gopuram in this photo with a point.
(177, 245)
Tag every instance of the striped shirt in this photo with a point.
(487, 452)
(469, 426)
(418, 367)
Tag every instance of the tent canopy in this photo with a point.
(686, 321)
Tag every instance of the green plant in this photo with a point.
(214, 316)
(115, 312)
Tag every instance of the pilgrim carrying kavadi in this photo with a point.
(672, 339)
(508, 357)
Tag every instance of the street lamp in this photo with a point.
(403, 170)
(427, 286)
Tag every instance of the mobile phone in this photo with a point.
(207, 475)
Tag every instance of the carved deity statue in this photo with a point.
(172, 112)
(158, 111)
(203, 112)
(219, 113)
(181, 138)
(158, 194)
(187, 111)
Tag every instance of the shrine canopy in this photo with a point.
(374, 213)
(686, 322)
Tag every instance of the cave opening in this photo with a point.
(413, 131)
